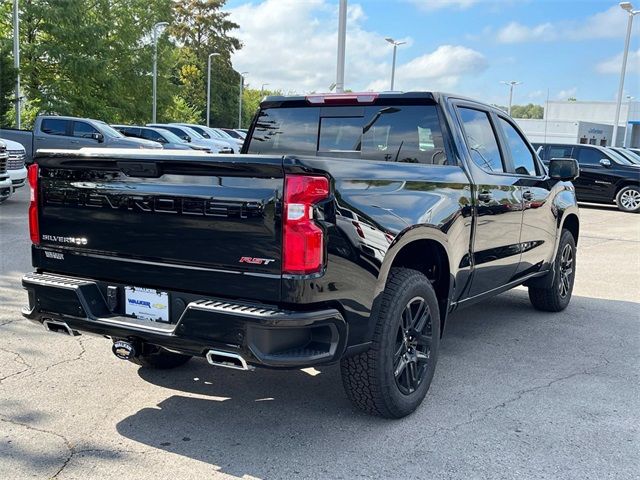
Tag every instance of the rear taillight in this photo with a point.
(302, 238)
(34, 226)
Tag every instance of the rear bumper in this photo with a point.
(262, 335)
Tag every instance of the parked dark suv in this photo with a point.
(605, 175)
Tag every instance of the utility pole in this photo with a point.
(209, 86)
(631, 13)
(16, 61)
(342, 42)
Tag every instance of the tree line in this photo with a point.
(93, 58)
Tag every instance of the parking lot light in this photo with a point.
(395, 50)
(240, 99)
(156, 28)
(209, 85)
(628, 7)
(511, 84)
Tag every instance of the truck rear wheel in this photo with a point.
(392, 378)
(556, 297)
(161, 359)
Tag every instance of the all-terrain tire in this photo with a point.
(557, 296)
(369, 378)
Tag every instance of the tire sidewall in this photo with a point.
(566, 238)
(415, 286)
(619, 196)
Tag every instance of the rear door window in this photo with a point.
(54, 126)
(481, 140)
(152, 135)
(560, 151)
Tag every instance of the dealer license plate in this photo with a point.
(147, 303)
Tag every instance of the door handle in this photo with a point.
(485, 196)
(528, 196)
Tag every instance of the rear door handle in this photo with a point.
(485, 196)
(528, 196)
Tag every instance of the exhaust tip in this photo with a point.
(219, 358)
(57, 326)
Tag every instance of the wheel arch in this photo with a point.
(426, 252)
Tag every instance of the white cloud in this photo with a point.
(438, 4)
(291, 45)
(608, 24)
(566, 94)
(516, 32)
(613, 65)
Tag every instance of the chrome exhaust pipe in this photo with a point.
(218, 358)
(57, 326)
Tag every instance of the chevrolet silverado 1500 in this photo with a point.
(347, 231)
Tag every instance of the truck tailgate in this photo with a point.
(199, 223)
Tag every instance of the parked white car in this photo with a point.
(15, 164)
(5, 180)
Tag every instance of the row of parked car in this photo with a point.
(17, 147)
(607, 174)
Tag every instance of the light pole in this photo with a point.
(16, 59)
(240, 99)
(155, 67)
(262, 87)
(631, 13)
(395, 50)
(342, 42)
(511, 84)
(209, 85)
(626, 125)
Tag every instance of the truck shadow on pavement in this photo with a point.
(285, 423)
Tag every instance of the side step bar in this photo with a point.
(57, 326)
(227, 360)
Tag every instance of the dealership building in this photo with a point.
(585, 122)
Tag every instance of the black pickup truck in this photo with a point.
(346, 231)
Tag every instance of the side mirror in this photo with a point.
(98, 137)
(187, 138)
(564, 169)
(605, 162)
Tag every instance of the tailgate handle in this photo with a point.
(139, 169)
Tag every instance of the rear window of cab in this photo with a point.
(408, 134)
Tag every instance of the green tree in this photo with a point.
(201, 28)
(251, 99)
(527, 111)
(7, 83)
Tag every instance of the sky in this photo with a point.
(559, 48)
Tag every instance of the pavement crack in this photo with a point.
(64, 439)
(19, 359)
(69, 360)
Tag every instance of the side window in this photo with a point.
(523, 160)
(559, 151)
(590, 157)
(152, 135)
(83, 130)
(54, 126)
(481, 139)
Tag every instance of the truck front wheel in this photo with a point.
(392, 378)
(557, 295)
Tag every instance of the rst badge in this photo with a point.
(256, 261)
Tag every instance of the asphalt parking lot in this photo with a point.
(517, 393)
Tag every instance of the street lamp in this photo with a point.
(240, 100)
(262, 87)
(16, 60)
(393, 68)
(628, 7)
(209, 85)
(156, 27)
(511, 84)
(342, 42)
